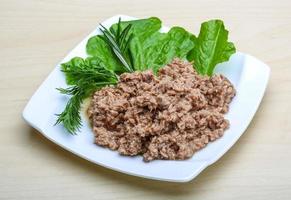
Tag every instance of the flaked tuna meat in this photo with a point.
(169, 116)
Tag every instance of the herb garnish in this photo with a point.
(118, 43)
(86, 77)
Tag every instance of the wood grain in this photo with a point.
(35, 35)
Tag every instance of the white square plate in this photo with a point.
(249, 76)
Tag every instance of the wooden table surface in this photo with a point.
(35, 35)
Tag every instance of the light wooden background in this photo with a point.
(35, 35)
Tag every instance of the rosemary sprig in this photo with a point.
(118, 42)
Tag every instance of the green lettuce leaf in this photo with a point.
(150, 49)
(177, 43)
(211, 47)
(143, 34)
(142, 28)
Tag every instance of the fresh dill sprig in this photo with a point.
(90, 78)
(70, 117)
(118, 42)
(90, 72)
